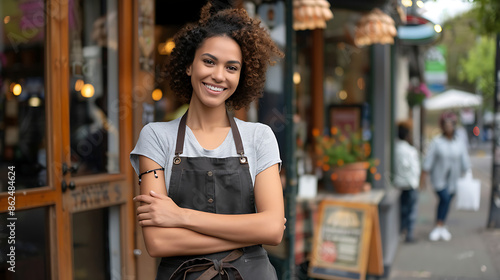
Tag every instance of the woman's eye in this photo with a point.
(208, 61)
(232, 68)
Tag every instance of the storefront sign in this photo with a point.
(341, 241)
(346, 118)
(94, 196)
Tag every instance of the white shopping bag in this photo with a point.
(468, 192)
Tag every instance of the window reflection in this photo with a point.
(94, 118)
(22, 93)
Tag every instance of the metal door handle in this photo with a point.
(64, 186)
(64, 168)
(73, 169)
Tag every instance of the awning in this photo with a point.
(417, 31)
(311, 14)
(376, 27)
(453, 99)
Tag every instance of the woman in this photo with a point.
(446, 160)
(221, 196)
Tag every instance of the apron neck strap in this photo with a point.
(181, 132)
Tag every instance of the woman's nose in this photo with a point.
(218, 74)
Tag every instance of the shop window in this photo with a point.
(346, 81)
(346, 66)
(29, 234)
(96, 244)
(22, 95)
(94, 95)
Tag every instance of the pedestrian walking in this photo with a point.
(221, 174)
(446, 160)
(406, 178)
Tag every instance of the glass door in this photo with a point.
(93, 87)
(26, 178)
(96, 244)
(66, 208)
(97, 189)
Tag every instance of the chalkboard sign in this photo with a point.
(341, 241)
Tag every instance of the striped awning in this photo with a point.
(311, 14)
(418, 31)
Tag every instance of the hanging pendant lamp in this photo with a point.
(311, 14)
(375, 27)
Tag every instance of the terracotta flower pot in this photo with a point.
(349, 178)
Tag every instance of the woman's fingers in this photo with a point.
(158, 195)
(144, 199)
(143, 209)
(157, 210)
(143, 217)
(146, 223)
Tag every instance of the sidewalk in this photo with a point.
(472, 253)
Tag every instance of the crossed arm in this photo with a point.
(173, 231)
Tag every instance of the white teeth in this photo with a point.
(210, 87)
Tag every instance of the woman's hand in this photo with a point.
(158, 210)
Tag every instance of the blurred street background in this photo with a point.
(472, 253)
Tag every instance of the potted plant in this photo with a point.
(346, 158)
(416, 95)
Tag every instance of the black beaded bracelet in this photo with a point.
(149, 171)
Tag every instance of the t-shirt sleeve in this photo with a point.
(268, 153)
(148, 145)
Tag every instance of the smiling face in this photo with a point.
(215, 72)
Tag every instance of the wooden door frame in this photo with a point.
(125, 84)
(58, 142)
(50, 195)
(145, 266)
(123, 179)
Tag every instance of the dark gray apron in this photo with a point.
(215, 185)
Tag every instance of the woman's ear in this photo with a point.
(188, 70)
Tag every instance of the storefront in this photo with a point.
(66, 119)
(341, 83)
(79, 79)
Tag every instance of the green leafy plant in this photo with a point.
(416, 95)
(339, 149)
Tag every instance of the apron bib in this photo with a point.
(215, 185)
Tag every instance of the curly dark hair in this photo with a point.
(257, 48)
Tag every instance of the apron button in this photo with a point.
(210, 200)
(209, 173)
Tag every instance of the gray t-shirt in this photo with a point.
(157, 142)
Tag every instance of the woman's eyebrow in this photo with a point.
(215, 58)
